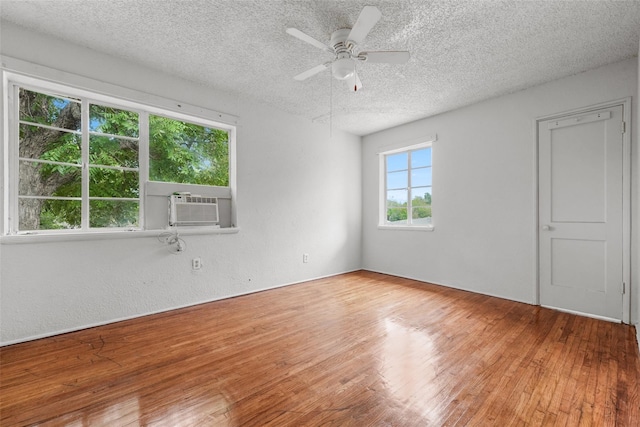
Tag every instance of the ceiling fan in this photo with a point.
(343, 46)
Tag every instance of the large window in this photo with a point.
(78, 162)
(406, 193)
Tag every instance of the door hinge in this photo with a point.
(624, 127)
(624, 285)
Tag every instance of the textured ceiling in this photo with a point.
(461, 51)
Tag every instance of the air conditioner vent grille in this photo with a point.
(193, 210)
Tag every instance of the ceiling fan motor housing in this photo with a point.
(343, 66)
(339, 40)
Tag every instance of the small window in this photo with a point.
(79, 162)
(406, 192)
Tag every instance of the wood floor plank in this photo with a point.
(359, 349)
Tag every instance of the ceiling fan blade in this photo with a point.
(388, 57)
(354, 82)
(312, 72)
(307, 38)
(369, 16)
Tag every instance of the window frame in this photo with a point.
(12, 81)
(383, 224)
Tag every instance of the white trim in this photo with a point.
(626, 210)
(536, 214)
(155, 188)
(579, 313)
(84, 206)
(4, 155)
(626, 198)
(143, 165)
(406, 227)
(587, 118)
(50, 162)
(57, 129)
(110, 135)
(112, 99)
(71, 236)
(12, 186)
(408, 144)
(120, 319)
(117, 168)
(51, 198)
(233, 180)
(459, 288)
(35, 72)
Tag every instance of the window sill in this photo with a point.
(107, 235)
(406, 227)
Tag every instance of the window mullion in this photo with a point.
(85, 163)
(383, 202)
(143, 162)
(409, 207)
(14, 162)
(386, 187)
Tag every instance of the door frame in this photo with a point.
(626, 198)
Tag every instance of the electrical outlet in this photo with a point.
(305, 258)
(196, 264)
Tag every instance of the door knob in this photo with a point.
(546, 227)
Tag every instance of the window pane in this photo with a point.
(113, 213)
(105, 182)
(43, 179)
(187, 153)
(39, 214)
(397, 198)
(421, 215)
(421, 196)
(397, 180)
(113, 121)
(421, 158)
(420, 177)
(111, 151)
(50, 110)
(41, 143)
(397, 162)
(397, 215)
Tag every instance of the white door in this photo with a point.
(580, 212)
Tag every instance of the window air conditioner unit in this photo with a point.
(192, 210)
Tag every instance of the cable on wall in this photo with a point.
(175, 244)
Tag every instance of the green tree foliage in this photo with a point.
(421, 207)
(186, 153)
(58, 142)
(396, 211)
(179, 152)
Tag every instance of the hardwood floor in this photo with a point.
(360, 349)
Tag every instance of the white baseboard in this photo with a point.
(580, 313)
(460, 288)
(120, 319)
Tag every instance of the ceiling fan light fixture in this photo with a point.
(343, 68)
(343, 45)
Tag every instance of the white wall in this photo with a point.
(484, 177)
(635, 215)
(298, 191)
